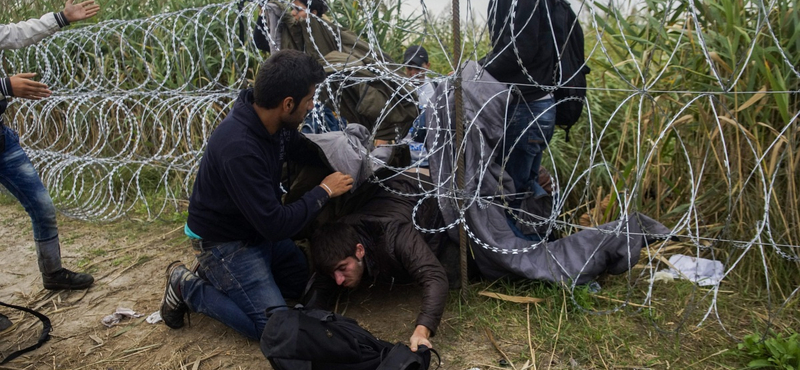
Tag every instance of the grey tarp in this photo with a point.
(347, 150)
(578, 258)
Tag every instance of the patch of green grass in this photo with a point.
(126, 259)
(594, 330)
(84, 261)
(775, 351)
(6, 199)
(98, 252)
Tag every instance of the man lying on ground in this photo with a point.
(379, 243)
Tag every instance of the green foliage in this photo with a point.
(15, 11)
(696, 115)
(379, 23)
(774, 352)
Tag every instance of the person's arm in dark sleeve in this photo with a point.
(260, 33)
(304, 151)
(322, 292)
(503, 59)
(414, 254)
(252, 192)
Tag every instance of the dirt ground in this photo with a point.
(128, 259)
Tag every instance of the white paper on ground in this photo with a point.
(118, 315)
(702, 271)
(154, 318)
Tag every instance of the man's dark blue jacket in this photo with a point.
(237, 192)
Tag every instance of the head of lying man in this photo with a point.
(337, 251)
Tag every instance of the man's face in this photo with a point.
(292, 120)
(417, 72)
(349, 271)
(299, 11)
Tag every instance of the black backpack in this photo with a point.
(400, 357)
(570, 66)
(312, 339)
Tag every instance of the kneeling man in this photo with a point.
(239, 229)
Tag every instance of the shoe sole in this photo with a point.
(69, 287)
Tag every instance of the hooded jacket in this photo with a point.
(237, 192)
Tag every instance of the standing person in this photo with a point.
(417, 64)
(239, 229)
(17, 173)
(523, 55)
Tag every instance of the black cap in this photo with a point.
(415, 55)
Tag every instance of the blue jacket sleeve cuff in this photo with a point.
(321, 196)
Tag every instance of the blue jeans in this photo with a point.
(18, 175)
(238, 282)
(532, 122)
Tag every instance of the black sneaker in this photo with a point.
(5, 323)
(173, 308)
(66, 279)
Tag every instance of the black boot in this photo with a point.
(5, 323)
(66, 279)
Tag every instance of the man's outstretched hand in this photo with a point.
(420, 337)
(80, 11)
(23, 87)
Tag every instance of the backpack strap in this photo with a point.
(44, 337)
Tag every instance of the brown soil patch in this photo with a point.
(128, 259)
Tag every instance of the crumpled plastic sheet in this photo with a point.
(663, 275)
(117, 316)
(154, 318)
(701, 271)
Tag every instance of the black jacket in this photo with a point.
(237, 194)
(530, 42)
(396, 252)
(259, 35)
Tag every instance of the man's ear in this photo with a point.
(288, 104)
(360, 252)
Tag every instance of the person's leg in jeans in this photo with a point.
(18, 175)
(533, 123)
(290, 269)
(240, 285)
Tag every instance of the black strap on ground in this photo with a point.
(44, 337)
